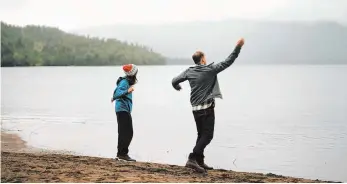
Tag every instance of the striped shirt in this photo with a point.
(204, 105)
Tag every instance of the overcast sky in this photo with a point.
(72, 14)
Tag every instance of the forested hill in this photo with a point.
(47, 46)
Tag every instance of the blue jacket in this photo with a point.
(123, 99)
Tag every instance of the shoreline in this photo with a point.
(12, 142)
(21, 163)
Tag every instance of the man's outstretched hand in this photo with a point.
(240, 42)
(178, 87)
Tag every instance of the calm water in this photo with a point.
(289, 120)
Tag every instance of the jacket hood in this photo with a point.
(201, 67)
(120, 79)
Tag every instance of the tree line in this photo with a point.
(48, 46)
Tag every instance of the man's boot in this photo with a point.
(191, 163)
(201, 162)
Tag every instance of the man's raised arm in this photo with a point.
(230, 59)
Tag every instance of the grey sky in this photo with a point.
(72, 14)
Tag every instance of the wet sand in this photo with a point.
(12, 142)
(20, 163)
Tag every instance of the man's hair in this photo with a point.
(197, 56)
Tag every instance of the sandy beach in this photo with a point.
(20, 163)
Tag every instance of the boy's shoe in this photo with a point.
(125, 158)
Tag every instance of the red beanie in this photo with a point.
(130, 69)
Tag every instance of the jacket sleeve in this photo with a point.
(177, 80)
(121, 90)
(228, 61)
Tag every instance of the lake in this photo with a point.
(285, 119)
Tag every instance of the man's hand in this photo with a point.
(131, 89)
(112, 100)
(241, 42)
(178, 87)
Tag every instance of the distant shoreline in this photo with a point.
(22, 164)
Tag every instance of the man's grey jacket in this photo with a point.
(203, 79)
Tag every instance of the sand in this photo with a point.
(12, 142)
(20, 163)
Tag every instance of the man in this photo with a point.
(204, 88)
